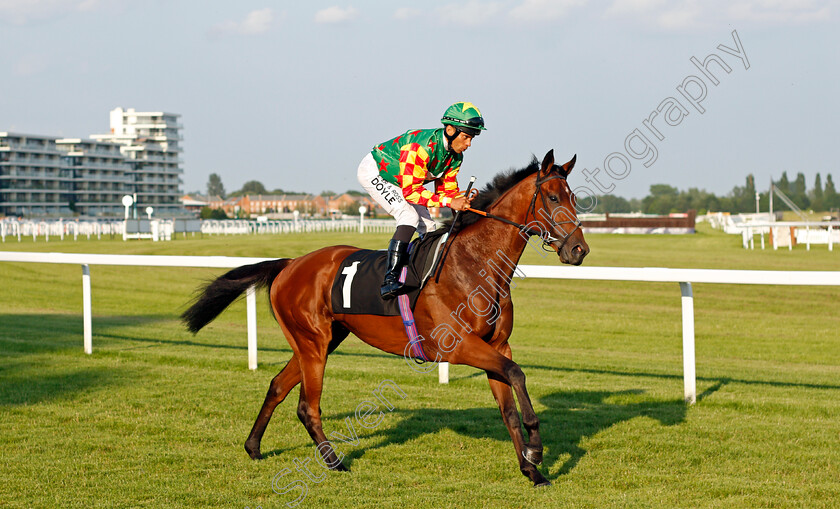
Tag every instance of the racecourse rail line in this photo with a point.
(685, 278)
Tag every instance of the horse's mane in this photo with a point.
(491, 192)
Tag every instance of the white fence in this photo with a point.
(685, 277)
(166, 229)
(251, 227)
(784, 233)
(59, 229)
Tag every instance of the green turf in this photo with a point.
(156, 417)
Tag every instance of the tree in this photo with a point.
(816, 194)
(748, 201)
(350, 209)
(830, 196)
(783, 184)
(251, 187)
(610, 203)
(215, 186)
(741, 199)
(661, 200)
(797, 192)
(208, 213)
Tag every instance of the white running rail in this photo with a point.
(685, 277)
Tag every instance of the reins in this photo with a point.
(547, 239)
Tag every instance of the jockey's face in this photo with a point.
(461, 142)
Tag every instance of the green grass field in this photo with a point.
(157, 417)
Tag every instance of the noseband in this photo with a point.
(547, 239)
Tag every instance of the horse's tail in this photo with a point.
(219, 294)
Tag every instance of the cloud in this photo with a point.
(634, 6)
(472, 13)
(479, 12)
(544, 10)
(335, 14)
(404, 13)
(780, 11)
(255, 23)
(693, 14)
(31, 64)
(686, 16)
(21, 12)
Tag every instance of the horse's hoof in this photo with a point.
(543, 483)
(341, 468)
(253, 452)
(533, 456)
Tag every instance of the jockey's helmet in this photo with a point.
(464, 117)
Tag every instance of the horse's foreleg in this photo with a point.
(505, 374)
(507, 406)
(534, 450)
(280, 386)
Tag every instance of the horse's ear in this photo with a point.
(547, 163)
(567, 168)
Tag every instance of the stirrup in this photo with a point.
(391, 290)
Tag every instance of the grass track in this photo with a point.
(157, 417)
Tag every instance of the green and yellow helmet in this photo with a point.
(464, 117)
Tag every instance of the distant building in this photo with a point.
(277, 203)
(228, 205)
(282, 206)
(101, 176)
(34, 177)
(51, 176)
(194, 202)
(350, 203)
(151, 142)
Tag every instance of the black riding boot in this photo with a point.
(397, 258)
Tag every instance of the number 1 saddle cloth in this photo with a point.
(355, 290)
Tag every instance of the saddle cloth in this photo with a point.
(355, 290)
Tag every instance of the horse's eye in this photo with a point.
(553, 198)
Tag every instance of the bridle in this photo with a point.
(546, 238)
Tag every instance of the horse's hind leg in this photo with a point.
(309, 410)
(280, 386)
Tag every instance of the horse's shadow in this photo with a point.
(567, 419)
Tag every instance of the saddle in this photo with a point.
(355, 290)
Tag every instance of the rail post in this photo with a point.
(251, 314)
(443, 373)
(689, 370)
(86, 310)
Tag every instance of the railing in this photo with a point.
(59, 229)
(810, 232)
(85, 260)
(685, 277)
(245, 227)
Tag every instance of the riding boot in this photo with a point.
(397, 258)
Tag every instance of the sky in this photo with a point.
(294, 94)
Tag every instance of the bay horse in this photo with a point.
(516, 205)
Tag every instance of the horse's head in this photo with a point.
(553, 209)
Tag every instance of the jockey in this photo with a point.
(395, 171)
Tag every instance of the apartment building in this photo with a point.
(50, 176)
(34, 177)
(101, 176)
(151, 142)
